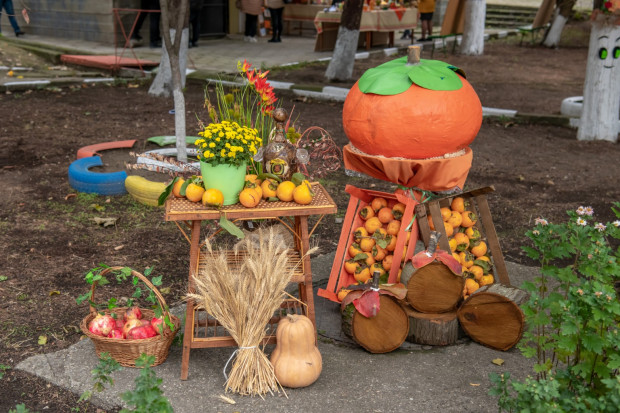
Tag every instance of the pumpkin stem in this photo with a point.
(413, 55)
(291, 317)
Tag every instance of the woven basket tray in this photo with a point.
(125, 352)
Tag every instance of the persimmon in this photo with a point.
(284, 192)
(466, 258)
(176, 188)
(343, 293)
(369, 260)
(400, 271)
(378, 203)
(378, 253)
(487, 280)
(449, 229)
(403, 257)
(303, 194)
(249, 197)
(367, 243)
(455, 219)
(393, 227)
(398, 210)
(351, 266)
(462, 241)
(213, 197)
(255, 186)
(431, 224)
(471, 285)
(372, 224)
(469, 219)
(473, 233)
(408, 237)
(457, 257)
(387, 262)
(193, 192)
(362, 274)
(392, 240)
(359, 233)
(445, 213)
(385, 215)
(269, 186)
(367, 212)
(458, 204)
(354, 249)
(479, 248)
(253, 179)
(380, 233)
(377, 267)
(453, 244)
(477, 271)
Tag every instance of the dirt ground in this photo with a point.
(49, 239)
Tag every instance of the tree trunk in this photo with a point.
(432, 288)
(170, 78)
(492, 317)
(563, 12)
(473, 33)
(382, 333)
(341, 65)
(432, 329)
(601, 90)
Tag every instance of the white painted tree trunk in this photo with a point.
(343, 58)
(472, 43)
(555, 31)
(162, 84)
(601, 90)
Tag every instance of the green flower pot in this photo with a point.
(227, 178)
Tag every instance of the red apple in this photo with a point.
(101, 325)
(133, 312)
(131, 323)
(120, 322)
(141, 332)
(116, 333)
(158, 324)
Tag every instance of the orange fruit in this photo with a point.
(445, 213)
(458, 204)
(367, 212)
(402, 259)
(479, 248)
(487, 280)
(380, 233)
(385, 215)
(354, 249)
(466, 258)
(362, 274)
(377, 267)
(269, 187)
(343, 293)
(471, 286)
(303, 194)
(351, 266)
(372, 224)
(400, 271)
(359, 233)
(473, 233)
(194, 192)
(284, 192)
(255, 186)
(398, 210)
(176, 188)
(477, 271)
(430, 223)
(387, 262)
(455, 219)
(369, 259)
(393, 227)
(249, 197)
(452, 243)
(462, 242)
(457, 257)
(378, 253)
(469, 219)
(213, 197)
(253, 178)
(391, 243)
(378, 203)
(449, 229)
(408, 235)
(367, 243)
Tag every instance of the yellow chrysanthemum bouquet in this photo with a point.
(227, 143)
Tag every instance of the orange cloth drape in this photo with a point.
(437, 175)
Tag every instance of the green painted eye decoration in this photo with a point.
(602, 53)
(396, 76)
(616, 52)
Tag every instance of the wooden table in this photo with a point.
(189, 215)
(374, 23)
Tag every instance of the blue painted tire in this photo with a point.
(102, 183)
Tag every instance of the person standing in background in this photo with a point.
(276, 9)
(195, 7)
(251, 8)
(154, 35)
(7, 5)
(426, 8)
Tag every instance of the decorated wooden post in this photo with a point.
(473, 32)
(601, 94)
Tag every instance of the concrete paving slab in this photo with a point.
(414, 378)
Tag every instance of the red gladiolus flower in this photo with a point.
(243, 67)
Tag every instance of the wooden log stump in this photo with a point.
(432, 329)
(492, 317)
(382, 333)
(432, 288)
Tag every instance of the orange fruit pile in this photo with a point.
(467, 244)
(271, 190)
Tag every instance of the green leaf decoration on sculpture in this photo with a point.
(396, 76)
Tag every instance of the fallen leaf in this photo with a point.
(474, 384)
(106, 222)
(499, 362)
(227, 399)
(120, 247)
(165, 290)
(55, 292)
(69, 196)
(42, 340)
(97, 207)
(3, 278)
(521, 178)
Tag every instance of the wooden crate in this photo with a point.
(480, 206)
(359, 199)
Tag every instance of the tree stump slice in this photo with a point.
(433, 288)
(382, 333)
(491, 316)
(440, 329)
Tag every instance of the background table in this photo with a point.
(293, 216)
(302, 15)
(376, 27)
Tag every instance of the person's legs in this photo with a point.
(251, 23)
(144, 5)
(194, 22)
(429, 24)
(278, 23)
(154, 35)
(10, 12)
